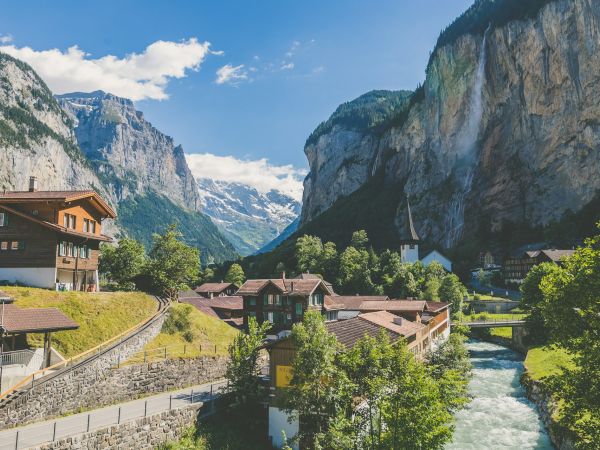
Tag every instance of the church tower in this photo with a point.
(409, 241)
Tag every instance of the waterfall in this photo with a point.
(466, 143)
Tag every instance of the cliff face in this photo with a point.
(130, 155)
(506, 126)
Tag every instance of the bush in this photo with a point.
(179, 321)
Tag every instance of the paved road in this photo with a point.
(42, 432)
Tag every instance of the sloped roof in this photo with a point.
(352, 302)
(58, 196)
(386, 319)
(349, 331)
(436, 306)
(213, 287)
(234, 302)
(54, 226)
(393, 305)
(291, 286)
(200, 304)
(552, 254)
(30, 320)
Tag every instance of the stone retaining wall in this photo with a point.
(143, 433)
(70, 389)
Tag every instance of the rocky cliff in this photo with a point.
(506, 127)
(129, 154)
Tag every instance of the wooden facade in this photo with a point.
(52, 238)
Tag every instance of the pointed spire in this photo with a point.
(409, 229)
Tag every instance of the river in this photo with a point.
(499, 416)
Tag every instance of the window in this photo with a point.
(69, 221)
(3, 219)
(252, 301)
(89, 226)
(4, 245)
(93, 226)
(298, 309)
(84, 251)
(62, 248)
(17, 245)
(277, 299)
(69, 249)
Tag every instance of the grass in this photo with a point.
(488, 298)
(545, 361)
(491, 316)
(207, 333)
(100, 316)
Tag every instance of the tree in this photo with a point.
(319, 392)
(359, 239)
(235, 275)
(532, 300)
(329, 262)
(452, 291)
(308, 253)
(244, 385)
(173, 265)
(432, 287)
(123, 263)
(571, 295)
(414, 411)
(355, 272)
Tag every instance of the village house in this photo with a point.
(50, 239)
(229, 309)
(419, 337)
(517, 266)
(210, 290)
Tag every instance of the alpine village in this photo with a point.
(431, 280)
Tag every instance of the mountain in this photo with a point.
(248, 218)
(100, 141)
(286, 233)
(501, 140)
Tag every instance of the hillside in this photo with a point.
(100, 316)
(99, 141)
(500, 142)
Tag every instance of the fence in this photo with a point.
(174, 351)
(36, 434)
(496, 318)
(20, 357)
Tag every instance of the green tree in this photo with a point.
(123, 263)
(435, 270)
(432, 287)
(319, 392)
(532, 300)
(571, 311)
(244, 385)
(235, 275)
(359, 240)
(173, 265)
(414, 411)
(329, 262)
(452, 291)
(355, 272)
(308, 253)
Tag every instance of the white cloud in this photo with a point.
(259, 174)
(136, 76)
(231, 74)
(6, 38)
(287, 66)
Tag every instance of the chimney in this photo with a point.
(283, 275)
(292, 286)
(33, 184)
(398, 320)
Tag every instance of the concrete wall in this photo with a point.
(42, 277)
(70, 389)
(278, 422)
(143, 433)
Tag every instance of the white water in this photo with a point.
(499, 416)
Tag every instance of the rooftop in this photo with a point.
(392, 323)
(351, 302)
(348, 332)
(287, 286)
(34, 320)
(213, 287)
(394, 305)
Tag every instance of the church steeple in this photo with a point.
(409, 235)
(409, 241)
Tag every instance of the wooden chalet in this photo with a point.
(210, 290)
(517, 266)
(51, 239)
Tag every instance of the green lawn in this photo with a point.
(490, 316)
(100, 315)
(207, 331)
(545, 361)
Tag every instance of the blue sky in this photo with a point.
(300, 60)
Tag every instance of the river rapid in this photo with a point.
(499, 416)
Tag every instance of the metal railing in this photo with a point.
(18, 357)
(46, 432)
(30, 380)
(174, 351)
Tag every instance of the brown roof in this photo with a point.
(213, 287)
(200, 304)
(30, 320)
(54, 226)
(287, 286)
(233, 302)
(393, 305)
(352, 302)
(552, 254)
(387, 320)
(436, 306)
(58, 196)
(349, 331)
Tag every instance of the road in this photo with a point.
(43, 432)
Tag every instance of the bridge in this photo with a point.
(492, 323)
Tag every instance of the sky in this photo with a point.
(234, 82)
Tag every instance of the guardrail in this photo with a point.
(163, 305)
(18, 357)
